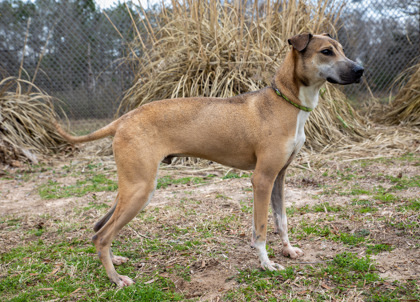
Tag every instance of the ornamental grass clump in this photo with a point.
(405, 108)
(222, 49)
(26, 123)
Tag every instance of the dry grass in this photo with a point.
(405, 109)
(26, 122)
(214, 49)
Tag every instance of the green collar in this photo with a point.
(304, 108)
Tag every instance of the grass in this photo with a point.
(69, 271)
(96, 183)
(193, 237)
(166, 181)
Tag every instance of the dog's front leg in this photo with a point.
(262, 183)
(280, 219)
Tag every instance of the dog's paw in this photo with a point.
(124, 281)
(118, 260)
(292, 252)
(271, 266)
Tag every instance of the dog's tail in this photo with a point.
(108, 130)
(106, 217)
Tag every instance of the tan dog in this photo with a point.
(260, 131)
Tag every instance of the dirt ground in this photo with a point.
(354, 195)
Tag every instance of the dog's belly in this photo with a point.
(238, 161)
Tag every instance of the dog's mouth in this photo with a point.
(332, 81)
(345, 80)
(347, 74)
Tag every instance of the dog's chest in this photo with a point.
(300, 137)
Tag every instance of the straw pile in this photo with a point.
(214, 49)
(26, 126)
(405, 109)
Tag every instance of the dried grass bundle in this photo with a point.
(405, 109)
(26, 122)
(221, 49)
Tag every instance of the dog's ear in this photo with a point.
(299, 42)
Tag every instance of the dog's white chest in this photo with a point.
(300, 129)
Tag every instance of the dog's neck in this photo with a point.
(300, 91)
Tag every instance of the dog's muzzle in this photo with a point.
(348, 74)
(358, 71)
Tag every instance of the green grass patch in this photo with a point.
(326, 207)
(363, 210)
(404, 225)
(71, 271)
(410, 205)
(167, 181)
(378, 248)
(350, 239)
(403, 183)
(96, 183)
(246, 207)
(347, 269)
(236, 175)
(385, 197)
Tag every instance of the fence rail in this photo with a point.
(80, 51)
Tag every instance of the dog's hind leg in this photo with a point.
(117, 260)
(136, 185)
(106, 217)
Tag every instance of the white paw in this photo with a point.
(271, 266)
(124, 281)
(292, 252)
(118, 260)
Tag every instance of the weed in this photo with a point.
(350, 239)
(378, 248)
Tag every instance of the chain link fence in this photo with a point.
(383, 35)
(71, 50)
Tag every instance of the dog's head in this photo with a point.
(320, 58)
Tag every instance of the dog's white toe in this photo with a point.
(271, 266)
(124, 281)
(118, 260)
(292, 252)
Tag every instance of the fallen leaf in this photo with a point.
(75, 291)
(59, 279)
(53, 272)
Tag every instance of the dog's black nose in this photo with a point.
(358, 70)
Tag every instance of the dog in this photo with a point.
(261, 131)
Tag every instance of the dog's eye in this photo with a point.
(327, 52)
